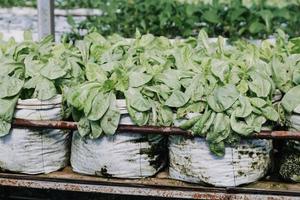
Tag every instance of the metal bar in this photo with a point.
(148, 190)
(146, 129)
(45, 18)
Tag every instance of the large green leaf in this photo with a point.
(177, 99)
(7, 107)
(110, 121)
(291, 99)
(136, 100)
(259, 84)
(244, 108)
(94, 72)
(240, 126)
(219, 68)
(10, 86)
(170, 78)
(84, 127)
(53, 69)
(221, 129)
(44, 89)
(100, 105)
(137, 79)
(223, 98)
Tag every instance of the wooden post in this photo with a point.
(45, 18)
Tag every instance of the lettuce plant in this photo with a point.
(34, 70)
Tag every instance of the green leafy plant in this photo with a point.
(176, 19)
(229, 87)
(34, 70)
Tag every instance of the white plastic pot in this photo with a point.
(125, 155)
(192, 161)
(35, 151)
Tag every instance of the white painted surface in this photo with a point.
(192, 161)
(35, 151)
(123, 155)
(14, 21)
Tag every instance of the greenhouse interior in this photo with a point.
(149, 99)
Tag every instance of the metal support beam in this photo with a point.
(146, 129)
(45, 18)
(67, 180)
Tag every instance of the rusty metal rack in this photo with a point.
(158, 186)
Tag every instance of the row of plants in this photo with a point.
(230, 88)
(96, 4)
(172, 19)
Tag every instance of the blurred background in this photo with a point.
(254, 19)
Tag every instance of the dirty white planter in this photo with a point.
(192, 161)
(123, 155)
(35, 151)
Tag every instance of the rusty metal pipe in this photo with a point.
(146, 129)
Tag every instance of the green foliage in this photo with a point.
(173, 19)
(230, 87)
(34, 70)
(163, 81)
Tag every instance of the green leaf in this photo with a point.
(223, 98)
(199, 125)
(281, 74)
(139, 118)
(291, 99)
(221, 129)
(136, 100)
(44, 89)
(245, 107)
(10, 86)
(84, 127)
(189, 123)
(4, 127)
(137, 79)
(259, 85)
(110, 121)
(240, 126)
(165, 116)
(243, 86)
(219, 68)
(211, 16)
(256, 121)
(296, 75)
(256, 27)
(270, 113)
(53, 69)
(96, 130)
(257, 102)
(170, 78)
(7, 108)
(94, 72)
(79, 96)
(89, 100)
(177, 99)
(84, 48)
(100, 105)
(217, 149)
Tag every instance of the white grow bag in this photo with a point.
(35, 151)
(192, 161)
(125, 155)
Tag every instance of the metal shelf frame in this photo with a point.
(159, 186)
